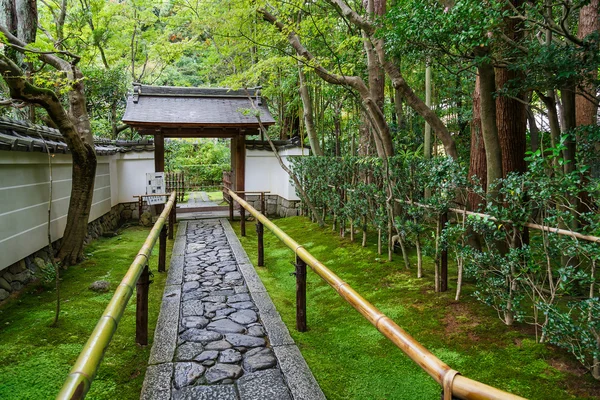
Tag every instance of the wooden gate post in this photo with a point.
(444, 256)
(162, 249)
(141, 308)
(300, 295)
(172, 221)
(242, 218)
(230, 209)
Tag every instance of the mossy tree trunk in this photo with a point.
(74, 125)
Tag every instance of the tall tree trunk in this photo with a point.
(477, 164)
(511, 117)
(585, 107)
(489, 128)
(308, 113)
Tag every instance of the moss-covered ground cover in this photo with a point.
(352, 360)
(36, 358)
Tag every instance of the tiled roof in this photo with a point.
(169, 106)
(23, 136)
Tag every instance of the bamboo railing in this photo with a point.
(83, 372)
(453, 384)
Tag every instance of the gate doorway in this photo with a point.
(176, 112)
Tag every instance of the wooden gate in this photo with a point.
(175, 181)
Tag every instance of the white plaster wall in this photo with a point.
(24, 179)
(131, 169)
(24, 194)
(263, 172)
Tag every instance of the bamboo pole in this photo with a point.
(459, 386)
(545, 228)
(82, 374)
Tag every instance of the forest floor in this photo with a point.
(36, 358)
(352, 360)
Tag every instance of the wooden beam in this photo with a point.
(159, 153)
(197, 132)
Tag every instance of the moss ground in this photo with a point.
(352, 360)
(36, 358)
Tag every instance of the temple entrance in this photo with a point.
(166, 113)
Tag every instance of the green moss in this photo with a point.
(352, 360)
(36, 358)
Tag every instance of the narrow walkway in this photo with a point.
(198, 199)
(219, 335)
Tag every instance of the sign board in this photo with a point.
(155, 183)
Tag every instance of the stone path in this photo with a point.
(198, 199)
(219, 335)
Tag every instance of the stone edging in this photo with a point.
(299, 378)
(157, 383)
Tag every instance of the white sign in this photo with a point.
(155, 183)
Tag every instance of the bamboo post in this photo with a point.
(140, 205)
(444, 256)
(230, 209)
(141, 307)
(162, 249)
(300, 295)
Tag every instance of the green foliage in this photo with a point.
(202, 160)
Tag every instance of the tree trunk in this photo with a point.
(489, 128)
(308, 113)
(511, 117)
(477, 164)
(585, 108)
(76, 130)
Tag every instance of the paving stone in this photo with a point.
(230, 356)
(218, 345)
(218, 372)
(189, 286)
(244, 340)
(207, 355)
(194, 322)
(188, 351)
(259, 358)
(225, 312)
(238, 298)
(191, 277)
(194, 295)
(244, 317)
(215, 299)
(214, 307)
(243, 305)
(228, 268)
(195, 247)
(225, 326)
(232, 276)
(187, 373)
(193, 308)
(241, 289)
(262, 385)
(200, 336)
(212, 392)
(256, 330)
(225, 292)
